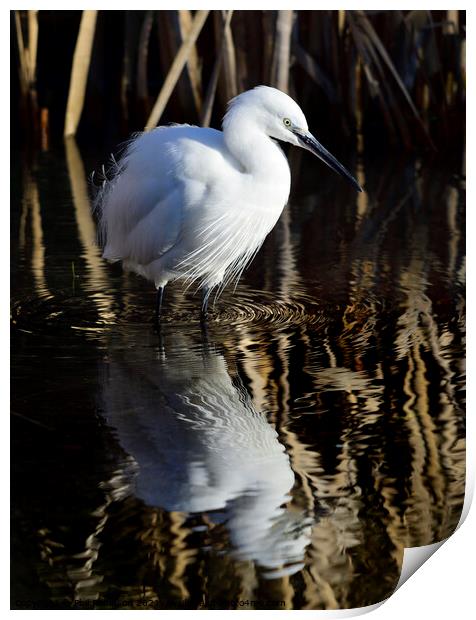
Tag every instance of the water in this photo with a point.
(282, 458)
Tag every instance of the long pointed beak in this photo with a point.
(309, 142)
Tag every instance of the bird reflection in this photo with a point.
(201, 446)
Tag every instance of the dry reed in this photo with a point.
(397, 72)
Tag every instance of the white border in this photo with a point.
(444, 585)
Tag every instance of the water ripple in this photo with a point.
(258, 307)
(99, 311)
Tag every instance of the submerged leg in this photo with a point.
(204, 310)
(158, 303)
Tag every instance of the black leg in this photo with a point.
(204, 311)
(204, 319)
(158, 303)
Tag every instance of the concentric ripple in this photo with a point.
(100, 312)
(60, 312)
(259, 307)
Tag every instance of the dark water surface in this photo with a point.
(282, 459)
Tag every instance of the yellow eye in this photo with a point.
(287, 122)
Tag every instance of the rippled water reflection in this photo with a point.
(287, 454)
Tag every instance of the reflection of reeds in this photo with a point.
(96, 273)
(38, 257)
(417, 333)
(432, 478)
(395, 71)
(75, 577)
(31, 207)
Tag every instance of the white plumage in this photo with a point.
(196, 203)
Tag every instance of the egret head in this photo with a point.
(280, 117)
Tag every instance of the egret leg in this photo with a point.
(204, 320)
(205, 335)
(204, 311)
(158, 303)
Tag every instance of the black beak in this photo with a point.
(309, 142)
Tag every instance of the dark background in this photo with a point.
(367, 66)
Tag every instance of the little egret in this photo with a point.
(196, 203)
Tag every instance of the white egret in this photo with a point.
(196, 203)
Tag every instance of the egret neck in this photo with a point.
(257, 155)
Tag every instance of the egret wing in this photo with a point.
(158, 230)
(160, 178)
(142, 207)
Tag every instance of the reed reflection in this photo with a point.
(201, 446)
(31, 246)
(96, 275)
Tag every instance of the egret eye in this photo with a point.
(287, 122)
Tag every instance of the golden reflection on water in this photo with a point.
(31, 211)
(339, 360)
(96, 270)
